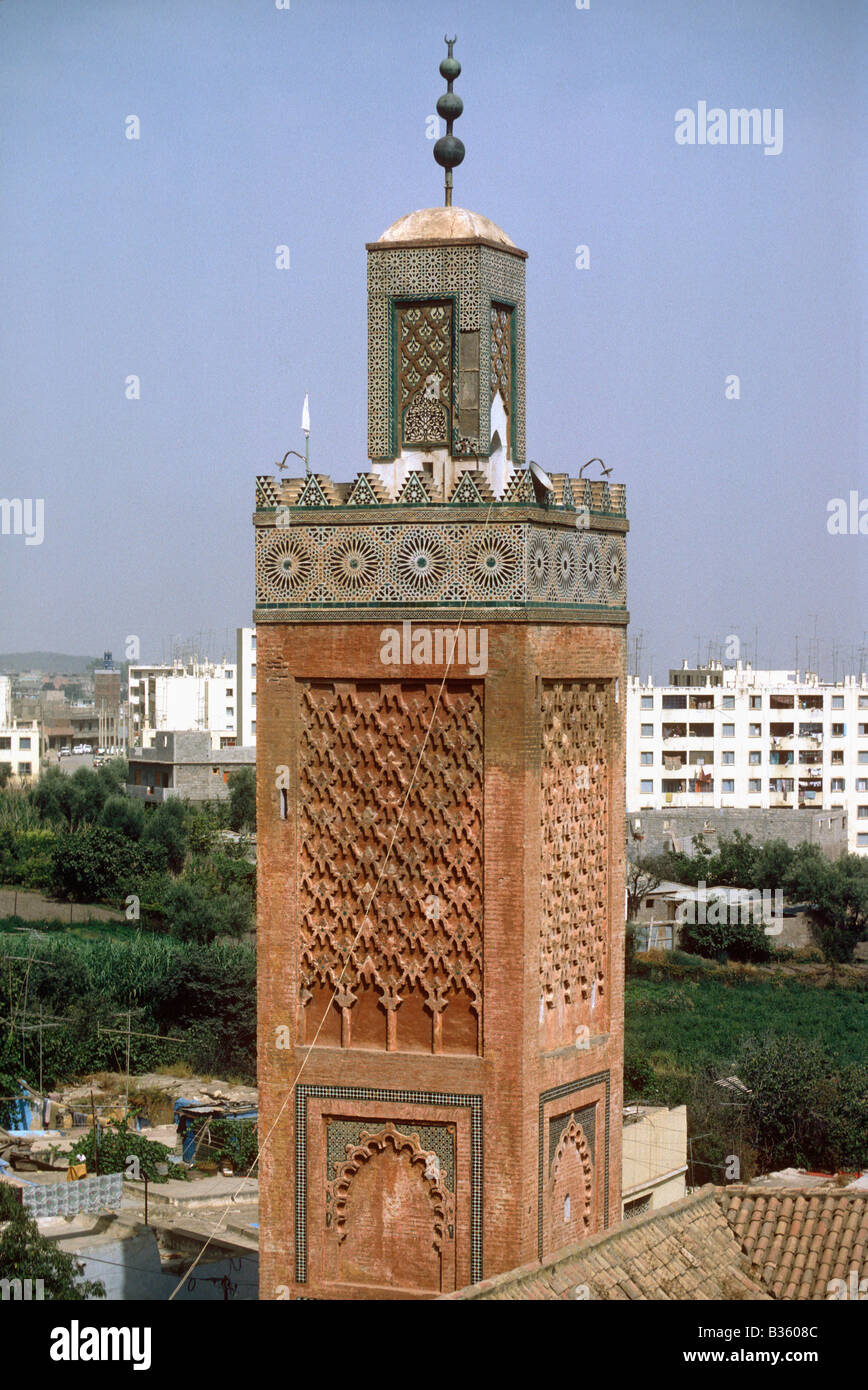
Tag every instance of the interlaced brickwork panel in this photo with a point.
(574, 798)
(446, 563)
(421, 931)
(425, 372)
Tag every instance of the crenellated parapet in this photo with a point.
(340, 550)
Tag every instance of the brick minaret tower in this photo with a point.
(440, 769)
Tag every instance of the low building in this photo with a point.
(183, 764)
(19, 750)
(653, 1158)
(663, 911)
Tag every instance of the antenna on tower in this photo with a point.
(449, 150)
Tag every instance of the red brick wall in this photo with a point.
(519, 1061)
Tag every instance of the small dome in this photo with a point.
(445, 224)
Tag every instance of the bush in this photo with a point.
(95, 865)
(195, 913)
(742, 941)
(117, 1146)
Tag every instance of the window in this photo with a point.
(754, 730)
(6, 743)
(253, 699)
(24, 769)
(861, 757)
(862, 784)
(253, 642)
(728, 702)
(838, 730)
(755, 758)
(755, 784)
(863, 730)
(675, 702)
(229, 691)
(862, 812)
(836, 784)
(646, 759)
(647, 730)
(647, 702)
(837, 755)
(230, 712)
(637, 1207)
(647, 787)
(253, 727)
(863, 701)
(727, 785)
(23, 743)
(756, 701)
(253, 671)
(837, 702)
(727, 758)
(862, 841)
(728, 731)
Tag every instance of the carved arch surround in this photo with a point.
(574, 1139)
(371, 1144)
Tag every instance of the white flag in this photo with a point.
(305, 416)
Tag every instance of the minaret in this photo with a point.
(440, 772)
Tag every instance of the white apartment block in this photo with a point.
(19, 749)
(734, 737)
(196, 696)
(246, 702)
(5, 701)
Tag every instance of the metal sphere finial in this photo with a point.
(449, 151)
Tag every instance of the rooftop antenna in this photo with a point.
(449, 150)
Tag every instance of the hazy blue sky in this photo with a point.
(306, 127)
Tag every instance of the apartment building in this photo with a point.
(246, 702)
(196, 696)
(728, 737)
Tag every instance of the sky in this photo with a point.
(306, 126)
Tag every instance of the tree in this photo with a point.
(125, 816)
(772, 862)
(26, 1254)
(242, 799)
(165, 835)
(643, 876)
(744, 941)
(195, 913)
(838, 893)
(733, 864)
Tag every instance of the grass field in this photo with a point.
(680, 1025)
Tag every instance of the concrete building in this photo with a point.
(183, 764)
(720, 738)
(245, 703)
(196, 696)
(654, 1158)
(441, 870)
(20, 750)
(679, 827)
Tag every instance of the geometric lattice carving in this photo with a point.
(438, 563)
(575, 817)
(425, 372)
(420, 933)
(501, 357)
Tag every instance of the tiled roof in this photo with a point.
(732, 1243)
(798, 1241)
(684, 1251)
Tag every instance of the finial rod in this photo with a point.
(449, 151)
